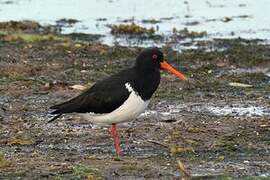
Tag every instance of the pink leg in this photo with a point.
(116, 140)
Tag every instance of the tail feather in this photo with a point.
(54, 118)
(56, 107)
(56, 111)
(66, 107)
(59, 109)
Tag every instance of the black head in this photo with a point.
(149, 59)
(152, 60)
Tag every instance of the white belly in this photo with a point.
(129, 110)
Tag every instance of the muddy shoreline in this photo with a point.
(217, 124)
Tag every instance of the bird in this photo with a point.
(121, 97)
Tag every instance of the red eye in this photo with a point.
(154, 56)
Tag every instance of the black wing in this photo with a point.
(103, 97)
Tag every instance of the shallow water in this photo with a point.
(235, 110)
(221, 19)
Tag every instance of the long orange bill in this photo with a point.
(168, 67)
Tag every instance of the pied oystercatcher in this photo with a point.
(122, 96)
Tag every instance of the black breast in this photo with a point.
(146, 83)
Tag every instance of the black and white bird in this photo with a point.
(121, 97)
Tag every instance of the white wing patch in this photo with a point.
(129, 88)
(129, 110)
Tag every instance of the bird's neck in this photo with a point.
(147, 82)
